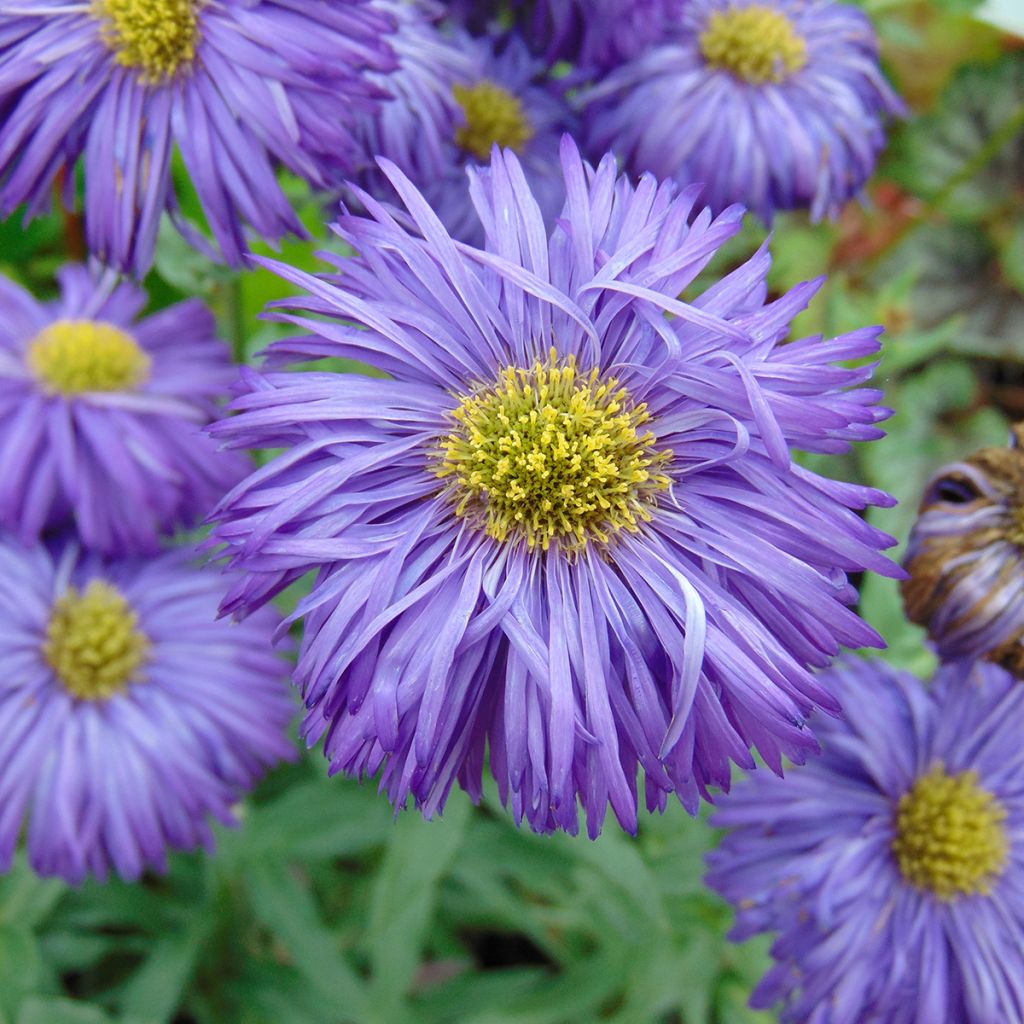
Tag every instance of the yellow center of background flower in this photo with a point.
(157, 37)
(951, 835)
(74, 356)
(755, 43)
(94, 643)
(550, 453)
(493, 116)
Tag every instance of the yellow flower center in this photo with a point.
(951, 835)
(493, 116)
(73, 356)
(94, 643)
(550, 453)
(157, 37)
(755, 43)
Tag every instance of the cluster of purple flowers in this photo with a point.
(561, 535)
(130, 715)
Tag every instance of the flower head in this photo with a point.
(103, 414)
(567, 526)
(776, 104)
(129, 715)
(456, 98)
(891, 866)
(964, 559)
(238, 87)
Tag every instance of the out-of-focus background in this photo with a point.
(324, 908)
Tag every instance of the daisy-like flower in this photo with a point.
(103, 414)
(598, 35)
(773, 103)
(964, 559)
(455, 99)
(238, 87)
(890, 867)
(128, 715)
(567, 526)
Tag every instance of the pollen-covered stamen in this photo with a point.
(157, 37)
(552, 454)
(93, 641)
(493, 117)
(75, 356)
(951, 836)
(755, 43)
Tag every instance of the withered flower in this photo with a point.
(966, 558)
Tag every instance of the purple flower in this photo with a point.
(455, 99)
(238, 86)
(777, 105)
(567, 526)
(598, 35)
(966, 580)
(128, 714)
(891, 867)
(103, 414)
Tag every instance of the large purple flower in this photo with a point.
(568, 525)
(455, 99)
(776, 104)
(892, 868)
(238, 86)
(102, 414)
(965, 558)
(128, 714)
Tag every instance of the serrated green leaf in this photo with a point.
(968, 157)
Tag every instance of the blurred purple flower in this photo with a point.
(568, 525)
(890, 867)
(455, 99)
(103, 414)
(416, 128)
(238, 86)
(598, 35)
(776, 104)
(128, 714)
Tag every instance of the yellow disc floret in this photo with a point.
(493, 117)
(755, 43)
(552, 454)
(73, 356)
(951, 835)
(156, 37)
(93, 641)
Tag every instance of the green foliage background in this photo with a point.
(327, 909)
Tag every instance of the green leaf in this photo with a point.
(60, 1011)
(159, 987)
(315, 819)
(286, 907)
(404, 897)
(21, 967)
(968, 157)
